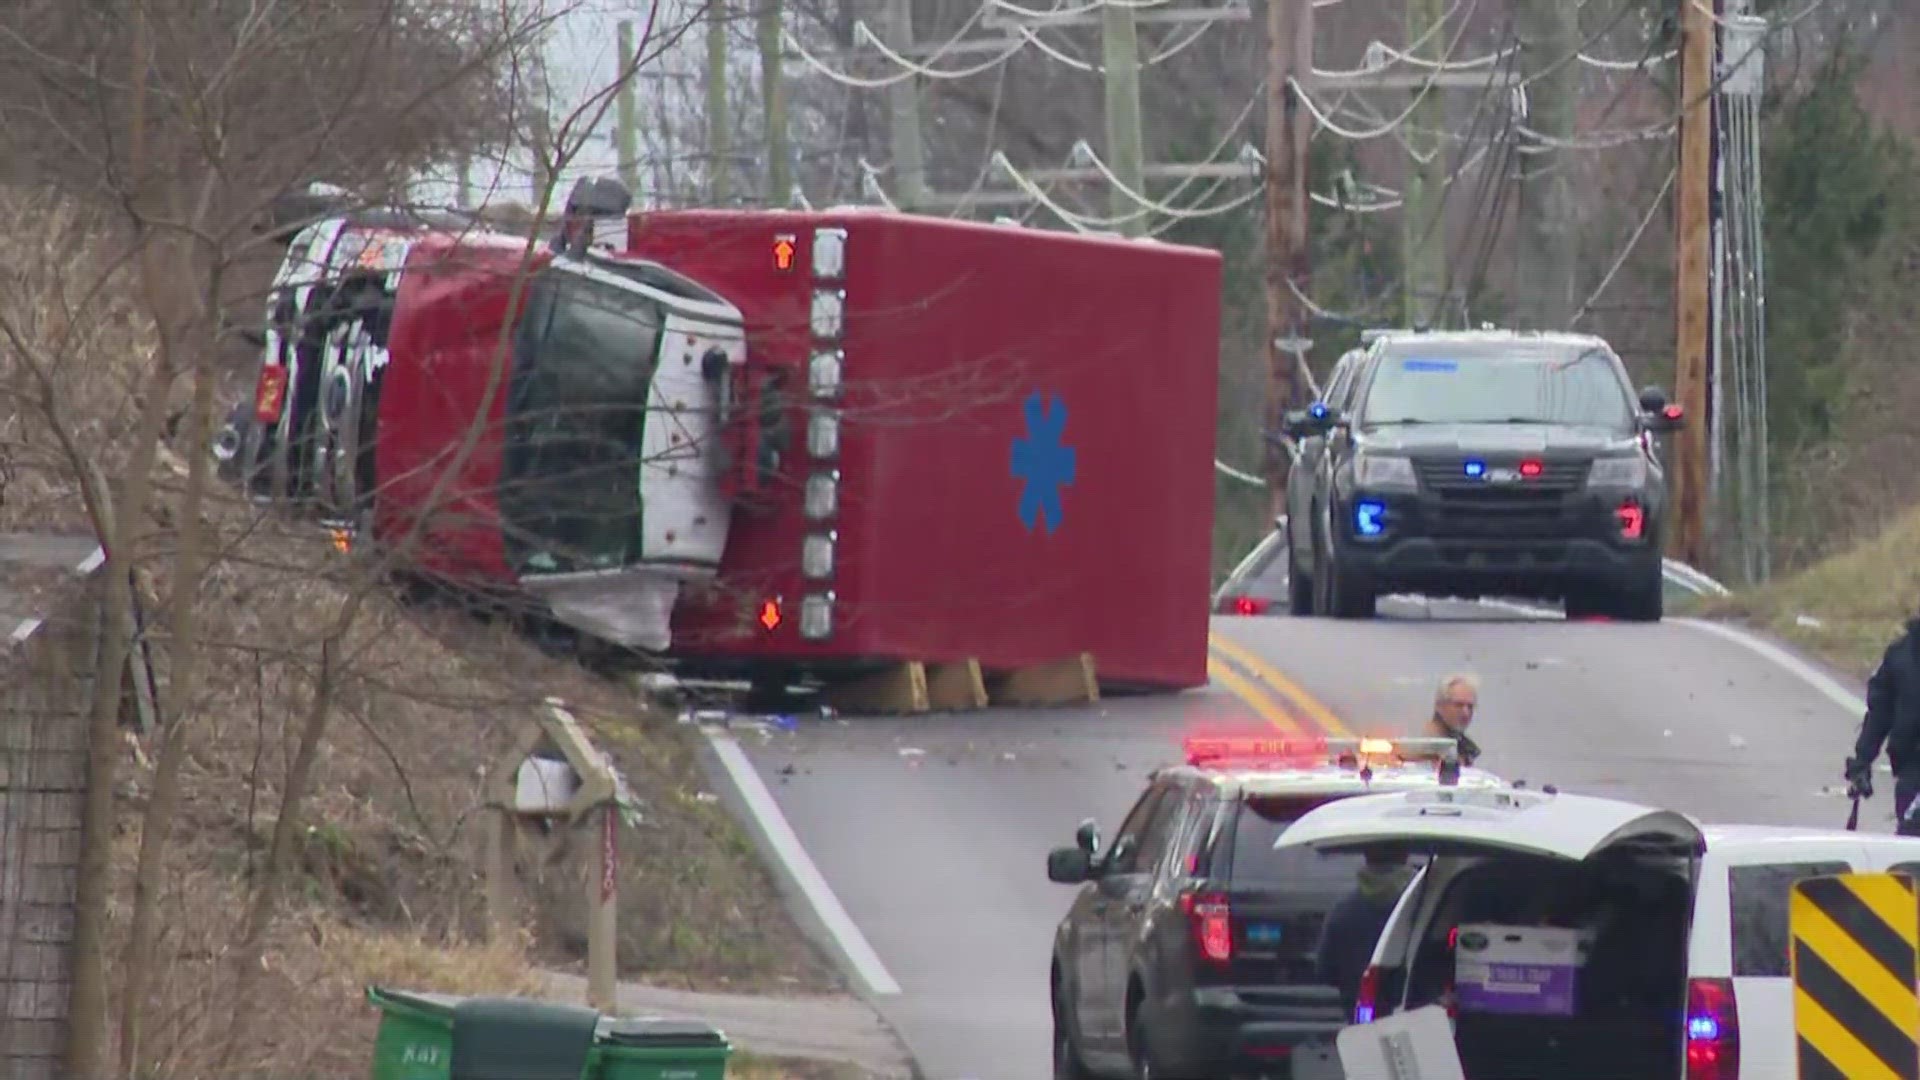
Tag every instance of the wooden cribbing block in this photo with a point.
(1071, 681)
(897, 688)
(956, 687)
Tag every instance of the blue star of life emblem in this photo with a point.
(1042, 462)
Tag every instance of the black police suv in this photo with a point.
(1480, 463)
(1189, 952)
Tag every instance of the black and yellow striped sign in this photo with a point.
(1856, 1005)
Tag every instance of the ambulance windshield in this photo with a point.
(583, 363)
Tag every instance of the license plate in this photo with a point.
(1263, 934)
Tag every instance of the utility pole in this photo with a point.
(1693, 281)
(1551, 239)
(626, 134)
(1289, 124)
(1423, 252)
(1126, 152)
(773, 96)
(903, 101)
(719, 161)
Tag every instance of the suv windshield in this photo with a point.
(584, 359)
(1572, 385)
(1299, 870)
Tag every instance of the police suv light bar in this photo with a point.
(1203, 750)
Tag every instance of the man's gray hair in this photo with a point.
(1458, 678)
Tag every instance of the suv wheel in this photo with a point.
(1139, 1055)
(1648, 600)
(1067, 1064)
(1299, 585)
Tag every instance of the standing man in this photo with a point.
(1893, 720)
(1454, 704)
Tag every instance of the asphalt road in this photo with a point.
(931, 833)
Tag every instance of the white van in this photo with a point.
(1681, 927)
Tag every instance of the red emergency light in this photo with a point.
(1250, 605)
(1216, 750)
(1531, 468)
(269, 392)
(1673, 412)
(1633, 520)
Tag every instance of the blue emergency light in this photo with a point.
(1476, 469)
(1367, 517)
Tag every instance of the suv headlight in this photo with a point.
(1619, 472)
(1383, 473)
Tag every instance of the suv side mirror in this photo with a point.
(1068, 866)
(1087, 837)
(1310, 421)
(1658, 413)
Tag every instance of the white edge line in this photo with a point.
(92, 562)
(787, 847)
(25, 630)
(1829, 687)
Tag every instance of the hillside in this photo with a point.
(417, 704)
(1847, 606)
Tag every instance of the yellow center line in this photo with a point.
(1257, 699)
(1268, 674)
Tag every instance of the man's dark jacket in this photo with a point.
(1893, 708)
(1353, 927)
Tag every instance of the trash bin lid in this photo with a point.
(521, 1039)
(654, 1031)
(437, 1004)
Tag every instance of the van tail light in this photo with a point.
(1211, 916)
(1250, 605)
(1363, 1005)
(1713, 1030)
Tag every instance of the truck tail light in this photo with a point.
(1632, 518)
(823, 495)
(269, 393)
(1211, 917)
(816, 555)
(823, 373)
(1368, 998)
(1713, 1030)
(770, 614)
(823, 434)
(816, 616)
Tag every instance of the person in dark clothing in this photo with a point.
(1353, 926)
(1892, 720)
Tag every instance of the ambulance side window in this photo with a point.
(1758, 902)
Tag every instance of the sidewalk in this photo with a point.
(833, 1028)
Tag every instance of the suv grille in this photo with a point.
(1519, 509)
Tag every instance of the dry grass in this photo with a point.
(1846, 607)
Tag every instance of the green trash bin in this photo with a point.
(415, 1041)
(438, 1037)
(654, 1049)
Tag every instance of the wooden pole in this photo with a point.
(603, 905)
(626, 133)
(1693, 282)
(1126, 150)
(718, 163)
(774, 99)
(1289, 124)
(1423, 228)
(903, 101)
